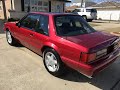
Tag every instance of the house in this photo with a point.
(18, 8)
(108, 10)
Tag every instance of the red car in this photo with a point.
(64, 40)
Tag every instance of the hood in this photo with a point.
(93, 41)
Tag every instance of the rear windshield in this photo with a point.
(72, 25)
(91, 10)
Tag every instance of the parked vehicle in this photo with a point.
(87, 13)
(64, 40)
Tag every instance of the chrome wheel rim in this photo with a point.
(9, 37)
(51, 62)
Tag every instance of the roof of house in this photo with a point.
(71, 7)
(87, 4)
(109, 4)
(65, 0)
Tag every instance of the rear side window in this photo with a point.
(71, 25)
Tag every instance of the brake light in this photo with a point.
(88, 57)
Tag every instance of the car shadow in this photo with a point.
(105, 80)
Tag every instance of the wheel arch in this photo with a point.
(50, 45)
(7, 27)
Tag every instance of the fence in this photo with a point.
(109, 15)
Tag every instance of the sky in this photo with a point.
(97, 1)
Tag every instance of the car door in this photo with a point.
(41, 34)
(25, 30)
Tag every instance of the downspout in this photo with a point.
(81, 3)
(4, 9)
(11, 4)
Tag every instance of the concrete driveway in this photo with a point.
(21, 69)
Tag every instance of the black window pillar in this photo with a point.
(22, 5)
(49, 6)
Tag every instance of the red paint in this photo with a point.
(70, 48)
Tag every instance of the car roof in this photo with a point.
(85, 8)
(51, 13)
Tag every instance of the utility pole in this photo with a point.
(81, 3)
(4, 9)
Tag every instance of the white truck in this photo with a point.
(88, 14)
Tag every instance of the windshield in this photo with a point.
(72, 25)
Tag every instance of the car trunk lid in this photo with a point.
(93, 41)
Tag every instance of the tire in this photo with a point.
(10, 39)
(53, 66)
(84, 17)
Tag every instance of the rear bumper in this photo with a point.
(90, 70)
(100, 65)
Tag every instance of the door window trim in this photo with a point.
(34, 29)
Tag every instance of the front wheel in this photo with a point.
(52, 62)
(10, 39)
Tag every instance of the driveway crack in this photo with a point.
(112, 88)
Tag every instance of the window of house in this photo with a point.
(36, 5)
(0, 5)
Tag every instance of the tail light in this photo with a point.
(88, 57)
(91, 57)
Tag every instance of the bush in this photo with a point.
(13, 19)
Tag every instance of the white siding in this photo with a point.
(107, 14)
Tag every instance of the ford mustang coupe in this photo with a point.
(64, 40)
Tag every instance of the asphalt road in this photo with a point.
(21, 69)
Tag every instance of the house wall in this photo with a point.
(15, 11)
(108, 14)
(8, 7)
(56, 6)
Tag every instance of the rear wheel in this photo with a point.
(53, 63)
(10, 39)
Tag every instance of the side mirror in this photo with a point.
(18, 24)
